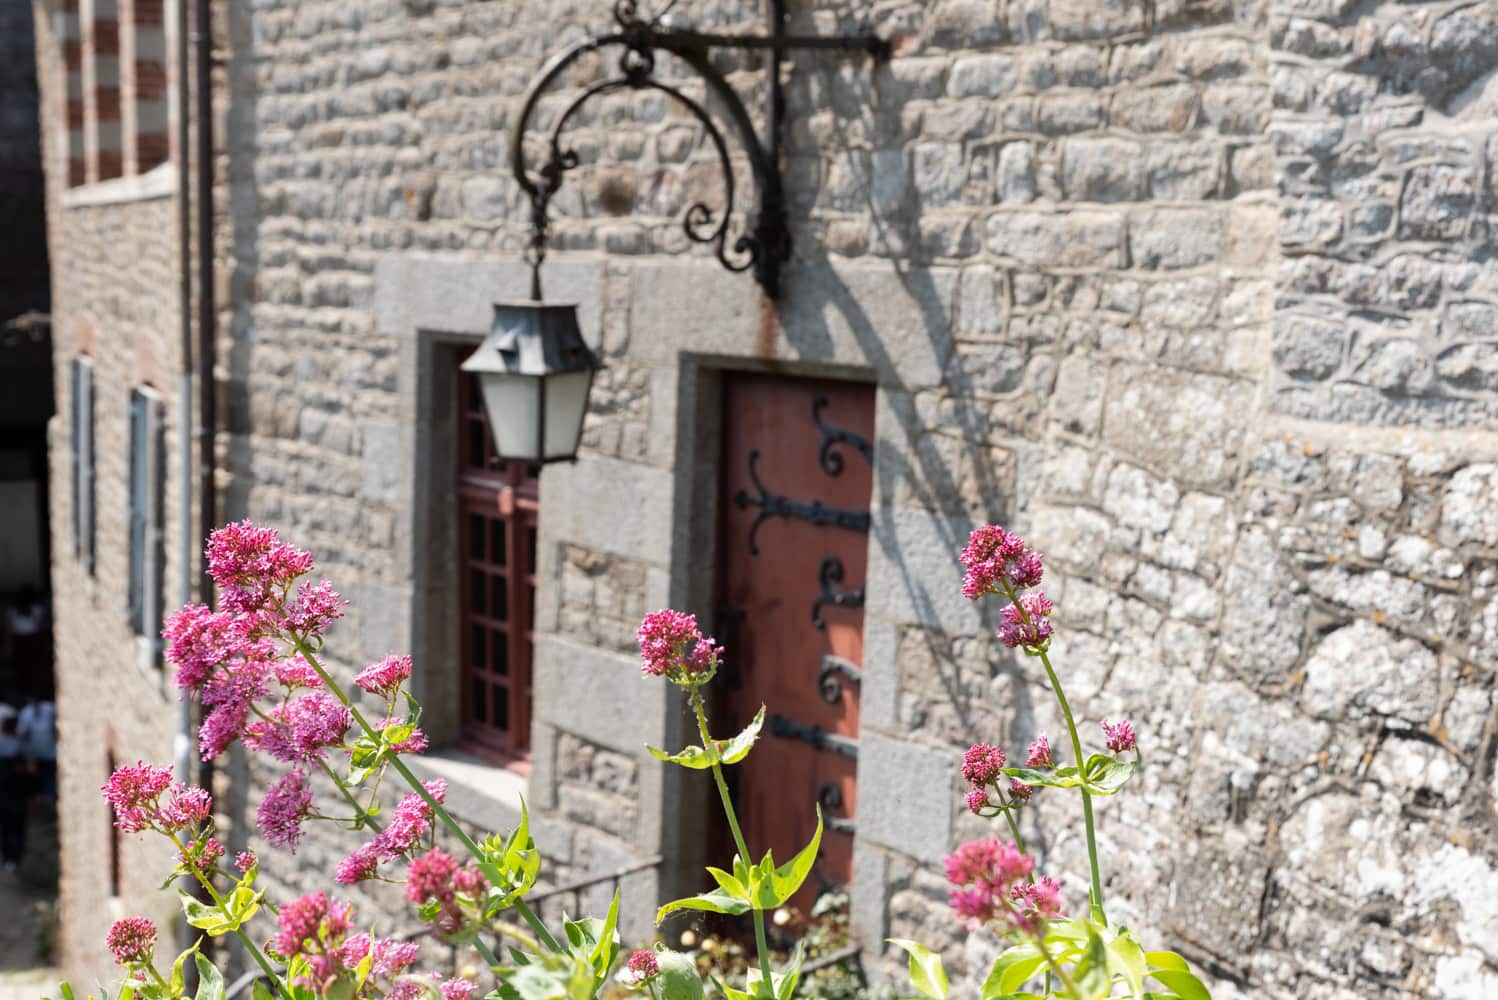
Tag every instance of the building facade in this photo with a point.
(1198, 295)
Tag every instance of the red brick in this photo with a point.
(107, 104)
(111, 164)
(150, 149)
(107, 38)
(150, 80)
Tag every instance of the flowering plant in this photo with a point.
(255, 665)
(994, 883)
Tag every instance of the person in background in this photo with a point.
(15, 781)
(37, 730)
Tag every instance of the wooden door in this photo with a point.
(796, 474)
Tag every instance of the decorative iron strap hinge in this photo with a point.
(774, 505)
(830, 683)
(828, 573)
(816, 736)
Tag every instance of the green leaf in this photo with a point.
(1092, 968)
(262, 991)
(693, 757)
(926, 972)
(728, 992)
(729, 884)
(738, 748)
(783, 983)
(176, 982)
(1183, 984)
(210, 983)
(1106, 775)
(678, 978)
(1061, 777)
(717, 901)
(783, 882)
(241, 905)
(1011, 970)
(1126, 961)
(607, 947)
(1166, 960)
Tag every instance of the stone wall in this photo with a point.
(1190, 292)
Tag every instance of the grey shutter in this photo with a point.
(139, 477)
(86, 514)
(76, 444)
(155, 554)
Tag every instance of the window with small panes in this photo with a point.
(498, 506)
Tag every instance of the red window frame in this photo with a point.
(498, 509)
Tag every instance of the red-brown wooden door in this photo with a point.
(795, 480)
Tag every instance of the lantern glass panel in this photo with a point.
(513, 403)
(566, 403)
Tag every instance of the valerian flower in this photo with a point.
(248, 563)
(386, 676)
(641, 967)
(672, 646)
(132, 941)
(1027, 623)
(1038, 754)
(982, 764)
(1120, 735)
(983, 873)
(286, 805)
(994, 557)
(1035, 902)
(144, 797)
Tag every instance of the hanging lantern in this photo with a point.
(535, 370)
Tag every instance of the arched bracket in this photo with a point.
(764, 243)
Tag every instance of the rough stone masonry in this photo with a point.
(1200, 295)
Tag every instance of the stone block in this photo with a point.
(1084, 19)
(598, 695)
(1198, 421)
(1015, 173)
(857, 315)
(1102, 169)
(1175, 238)
(1264, 615)
(1064, 114)
(1363, 670)
(1052, 239)
(1437, 201)
(983, 76)
(385, 465)
(1183, 171)
(1469, 507)
(913, 573)
(1167, 108)
(907, 796)
(1308, 346)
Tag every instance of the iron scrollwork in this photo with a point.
(765, 242)
(834, 672)
(829, 457)
(774, 505)
(830, 796)
(828, 573)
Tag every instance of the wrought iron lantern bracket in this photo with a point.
(764, 245)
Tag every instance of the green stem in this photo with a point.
(244, 938)
(426, 796)
(1096, 891)
(360, 813)
(482, 947)
(1019, 842)
(760, 942)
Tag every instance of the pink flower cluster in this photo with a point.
(299, 730)
(145, 798)
(437, 877)
(997, 562)
(386, 676)
(992, 882)
(672, 646)
(641, 967)
(1027, 621)
(229, 657)
(1120, 735)
(316, 929)
(983, 769)
(993, 557)
(409, 823)
(1038, 754)
(286, 805)
(132, 941)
